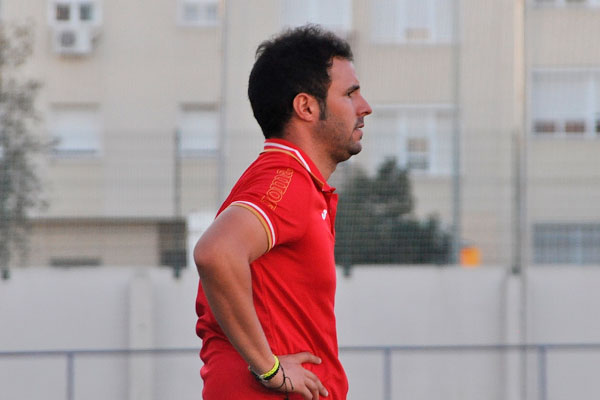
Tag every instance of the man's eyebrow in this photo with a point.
(353, 88)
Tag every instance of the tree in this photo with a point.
(19, 184)
(375, 224)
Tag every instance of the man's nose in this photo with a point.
(365, 108)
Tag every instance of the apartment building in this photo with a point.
(494, 106)
(131, 90)
(563, 166)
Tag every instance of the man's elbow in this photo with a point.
(203, 256)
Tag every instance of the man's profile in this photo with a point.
(265, 301)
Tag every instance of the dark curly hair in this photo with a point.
(296, 61)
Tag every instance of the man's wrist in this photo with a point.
(270, 374)
(279, 383)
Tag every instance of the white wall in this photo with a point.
(421, 306)
(116, 308)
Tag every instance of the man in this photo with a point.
(267, 273)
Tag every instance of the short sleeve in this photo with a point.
(279, 196)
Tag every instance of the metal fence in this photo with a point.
(540, 351)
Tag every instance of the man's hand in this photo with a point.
(297, 378)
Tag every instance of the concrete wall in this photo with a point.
(116, 308)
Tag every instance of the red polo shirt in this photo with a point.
(293, 283)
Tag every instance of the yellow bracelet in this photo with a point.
(269, 374)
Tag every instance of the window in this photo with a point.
(566, 243)
(335, 15)
(63, 12)
(417, 153)
(77, 129)
(172, 244)
(419, 138)
(566, 104)
(412, 21)
(86, 12)
(198, 129)
(198, 12)
(74, 12)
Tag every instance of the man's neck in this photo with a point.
(316, 152)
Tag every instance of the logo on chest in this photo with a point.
(278, 187)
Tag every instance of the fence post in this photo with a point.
(387, 373)
(542, 378)
(70, 375)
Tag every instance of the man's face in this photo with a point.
(340, 130)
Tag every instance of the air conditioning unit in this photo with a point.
(72, 40)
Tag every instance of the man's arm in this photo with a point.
(223, 256)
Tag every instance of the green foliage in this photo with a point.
(375, 225)
(19, 184)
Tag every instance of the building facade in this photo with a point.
(494, 106)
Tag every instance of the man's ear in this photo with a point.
(306, 107)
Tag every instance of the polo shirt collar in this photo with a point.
(283, 146)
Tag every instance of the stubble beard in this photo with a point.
(342, 145)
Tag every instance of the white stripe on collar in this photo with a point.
(288, 148)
